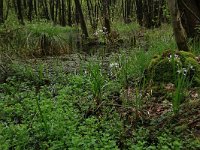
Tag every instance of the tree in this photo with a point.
(63, 21)
(30, 5)
(149, 12)
(128, 6)
(190, 16)
(107, 28)
(185, 19)
(1, 12)
(81, 17)
(69, 12)
(19, 12)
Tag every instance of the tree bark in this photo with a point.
(1, 12)
(139, 12)
(69, 14)
(190, 16)
(149, 12)
(63, 17)
(179, 31)
(82, 20)
(19, 12)
(107, 28)
(30, 5)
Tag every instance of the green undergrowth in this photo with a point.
(96, 102)
(44, 107)
(36, 39)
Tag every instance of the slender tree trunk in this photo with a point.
(92, 14)
(20, 14)
(56, 15)
(30, 5)
(8, 9)
(35, 7)
(127, 11)
(69, 14)
(82, 20)
(51, 3)
(139, 11)
(106, 16)
(1, 12)
(149, 12)
(179, 31)
(46, 11)
(63, 17)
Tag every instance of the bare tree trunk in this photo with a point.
(69, 14)
(190, 16)
(127, 11)
(149, 12)
(179, 31)
(106, 16)
(35, 7)
(30, 5)
(63, 18)
(82, 20)
(139, 12)
(19, 12)
(46, 11)
(52, 8)
(8, 9)
(1, 12)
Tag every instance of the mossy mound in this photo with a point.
(165, 68)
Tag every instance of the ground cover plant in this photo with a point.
(78, 79)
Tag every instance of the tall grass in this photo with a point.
(97, 80)
(182, 83)
(40, 38)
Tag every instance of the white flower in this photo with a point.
(96, 33)
(184, 71)
(104, 28)
(179, 71)
(176, 56)
(116, 65)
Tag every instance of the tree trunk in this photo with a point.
(179, 31)
(51, 3)
(149, 12)
(30, 5)
(69, 14)
(20, 14)
(127, 11)
(45, 8)
(92, 13)
(107, 28)
(63, 17)
(7, 11)
(35, 7)
(1, 12)
(190, 16)
(82, 20)
(139, 12)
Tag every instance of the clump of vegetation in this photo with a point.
(167, 67)
(37, 39)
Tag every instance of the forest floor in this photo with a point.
(95, 97)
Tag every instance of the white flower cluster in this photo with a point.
(175, 57)
(114, 65)
(184, 71)
(100, 32)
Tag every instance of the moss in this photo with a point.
(161, 70)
